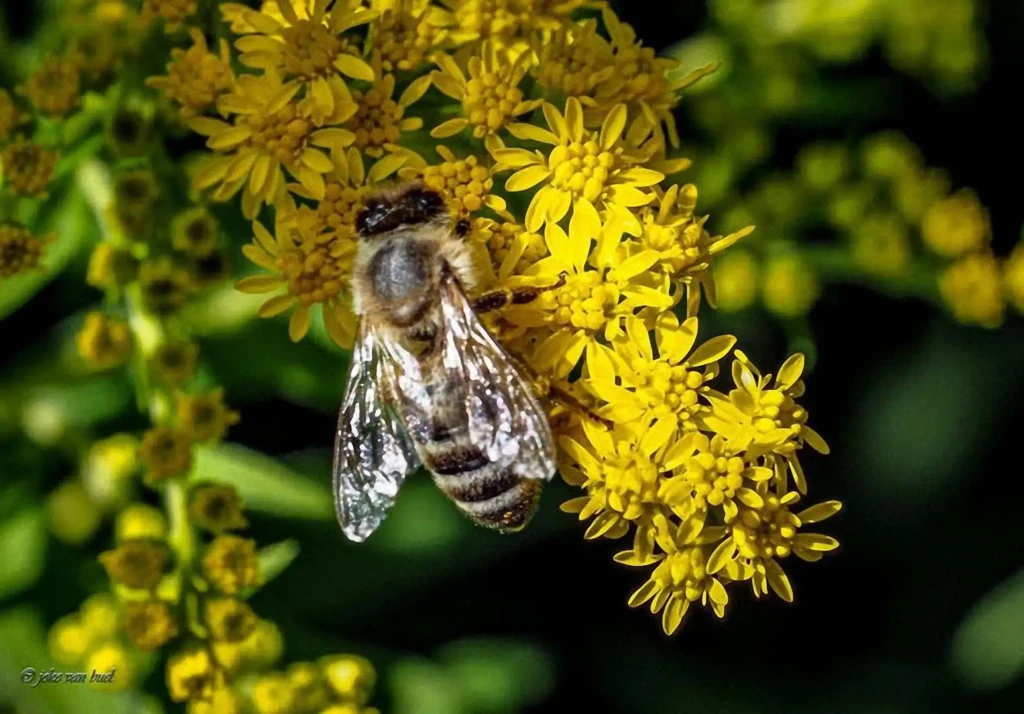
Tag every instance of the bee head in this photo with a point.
(386, 212)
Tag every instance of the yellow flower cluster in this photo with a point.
(20, 251)
(91, 640)
(570, 123)
(26, 167)
(898, 219)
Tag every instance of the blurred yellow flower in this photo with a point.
(54, 87)
(736, 280)
(973, 289)
(216, 508)
(1013, 275)
(25, 167)
(268, 133)
(195, 77)
(229, 619)
(68, 640)
(194, 232)
(10, 116)
(230, 564)
(881, 245)
(20, 251)
(106, 660)
(174, 13)
(103, 342)
(350, 677)
(165, 453)
(165, 286)
(111, 267)
(140, 521)
(789, 285)
(491, 98)
(137, 564)
(273, 694)
(99, 616)
(205, 417)
(174, 362)
(149, 624)
(191, 674)
(588, 171)
(573, 61)
(957, 225)
(222, 700)
(71, 514)
(311, 49)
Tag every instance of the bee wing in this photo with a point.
(504, 417)
(372, 452)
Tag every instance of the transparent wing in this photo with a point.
(372, 452)
(503, 416)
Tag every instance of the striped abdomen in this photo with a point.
(491, 494)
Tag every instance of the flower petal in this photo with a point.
(449, 128)
(527, 178)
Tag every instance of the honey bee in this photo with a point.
(428, 384)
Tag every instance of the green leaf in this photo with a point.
(72, 222)
(499, 675)
(421, 687)
(22, 551)
(264, 483)
(988, 647)
(275, 558)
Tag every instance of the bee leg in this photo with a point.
(497, 299)
(544, 389)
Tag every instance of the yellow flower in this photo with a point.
(174, 13)
(273, 694)
(165, 286)
(26, 167)
(641, 79)
(736, 281)
(682, 576)
(222, 700)
(109, 467)
(676, 242)
(512, 248)
(99, 616)
(54, 87)
(20, 251)
(761, 536)
(351, 677)
(72, 514)
(137, 564)
(10, 116)
(149, 624)
(140, 521)
(406, 32)
(69, 640)
(216, 508)
(174, 362)
(104, 342)
(761, 418)
(636, 385)
(491, 98)
(95, 50)
(465, 183)
(195, 232)
(135, 194)
(204, 417)
(195, 77)
(310, 49)
(230, 564)
(310, 688)
(263, 647)
(586, 170)
(380, 120)
(165, 453)
(111, 267)
(507, 22)
(313, 267)
(268, 132)
(229, 619)
(191, 674)
(972, 288)
(881, 245)
(1013, 275)
(107, 659)
(790, 286)
(574, 61)
(957, 225)
(891, 156)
